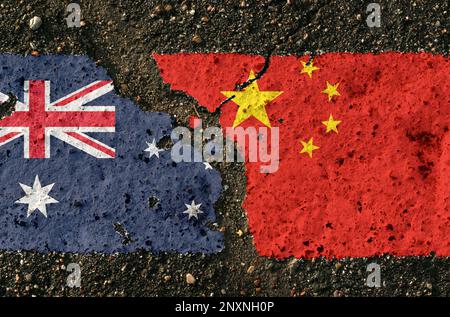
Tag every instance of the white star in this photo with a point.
(193, 210)
(36, 197)
(207, 166)
(153, 149)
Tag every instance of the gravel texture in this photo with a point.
(120, 36)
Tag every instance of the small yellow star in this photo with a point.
(252, 102)
(308, 68)
(331, 124)
(308, 147)
(331, 90)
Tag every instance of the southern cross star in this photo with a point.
(153, 149)
(193, 210)
(36, 197)
(207, 166)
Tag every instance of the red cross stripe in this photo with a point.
(66, 119)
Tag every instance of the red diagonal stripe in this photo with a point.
(91, 143)
(8, 136)
(82, 93)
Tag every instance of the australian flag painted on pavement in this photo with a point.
(81, 170)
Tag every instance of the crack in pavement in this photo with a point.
(311, 14)
(120, 229)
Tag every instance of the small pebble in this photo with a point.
(197, 39)
(293, 264)
(337, 293)
(168, 8)
(35, 23)
(28, 277)
(190, 279)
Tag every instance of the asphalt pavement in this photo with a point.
(121, 36)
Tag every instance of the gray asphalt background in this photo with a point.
(120, 36)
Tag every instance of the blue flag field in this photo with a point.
(81, 170)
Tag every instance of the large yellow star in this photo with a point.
(331, 90)
(331, 124)
(308, 147)
(252, 102)
(308, 68)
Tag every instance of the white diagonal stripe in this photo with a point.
(5, 131)
(77, 104)
(81, 145)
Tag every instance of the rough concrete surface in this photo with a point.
(121, 36)
(361, 191)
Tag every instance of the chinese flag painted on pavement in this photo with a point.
(364, 148)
